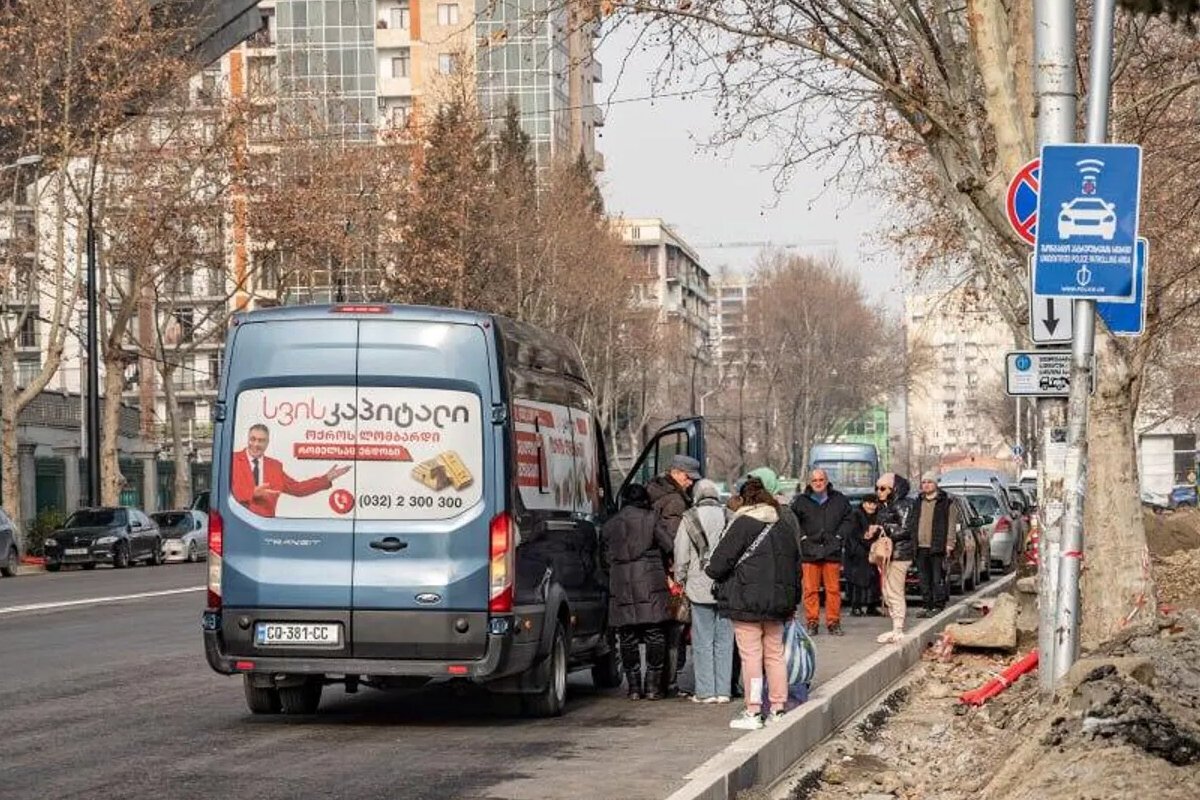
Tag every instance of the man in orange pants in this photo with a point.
(825, 521)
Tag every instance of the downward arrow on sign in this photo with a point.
(1051, 320)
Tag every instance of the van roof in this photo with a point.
(524, 345)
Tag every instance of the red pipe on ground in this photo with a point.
(977, 697)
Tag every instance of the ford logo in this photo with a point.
(429, 598)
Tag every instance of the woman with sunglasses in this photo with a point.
(892, 490)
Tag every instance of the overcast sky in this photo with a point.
(656, 166)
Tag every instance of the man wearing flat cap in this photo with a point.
(670, 499)
(930, 525)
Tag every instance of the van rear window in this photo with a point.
(343, 452)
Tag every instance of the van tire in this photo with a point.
(303, 699)
(261, 699)
(606, 669)
(551, 699)
(11, 564)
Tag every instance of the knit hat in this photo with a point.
(931, 476)
(767, 477)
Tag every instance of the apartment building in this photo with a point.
(730, 319)
(674, 281)
(963, 339)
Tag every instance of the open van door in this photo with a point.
(683, 436)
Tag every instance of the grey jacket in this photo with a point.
(705, 522)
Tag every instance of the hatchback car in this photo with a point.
(117, 536)
(1001, 522)
(184, 534)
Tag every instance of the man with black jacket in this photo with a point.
(929, 525)
(825, 522)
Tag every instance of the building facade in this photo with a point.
(962, 339)
(729, 321)
(673, 281)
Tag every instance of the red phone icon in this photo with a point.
(341, 501)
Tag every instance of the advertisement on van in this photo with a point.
(318, 452)
(556, 457)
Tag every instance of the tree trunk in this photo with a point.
(9, 463)
(181, 490)
(111, 478)
(1117, 581)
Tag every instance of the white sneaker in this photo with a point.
(773, 717)
(884, 638)
(746, 722)
(721, 700)
(698, 699)
(712, 700)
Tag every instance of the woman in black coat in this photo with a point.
(635, 547)
(862, 578)
(757, 564)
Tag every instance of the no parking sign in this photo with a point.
(1023, 200)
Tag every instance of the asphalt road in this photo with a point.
(113, 699)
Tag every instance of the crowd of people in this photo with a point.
(737, 572)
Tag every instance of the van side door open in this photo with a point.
(684, 436)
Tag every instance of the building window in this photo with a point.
(28, 369)
(28, 335)
(446, 63)
(186, 320)
(214, 370)
(399, 17)
(401, 64)
(447, 13)
(207, 94)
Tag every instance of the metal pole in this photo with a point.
(1083, 350)
(1020, 448)
(1054, 56)
(93, 359)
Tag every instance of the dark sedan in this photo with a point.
(116, 536)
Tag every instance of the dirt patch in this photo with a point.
(1170, 531)
(1115, 734)
(1177, 577)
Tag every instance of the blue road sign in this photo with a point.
(1088, 221)
(1129, 319)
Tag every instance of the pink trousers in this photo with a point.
(760, 645)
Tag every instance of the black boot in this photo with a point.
(653, 684)
(633, 677)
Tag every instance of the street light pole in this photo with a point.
(93, 359)
(1054, 83)
(1083, 349)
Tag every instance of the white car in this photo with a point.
(184, 534)
(1087, 216)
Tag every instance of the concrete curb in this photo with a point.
(761, 757)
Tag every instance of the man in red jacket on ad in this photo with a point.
(259, 480)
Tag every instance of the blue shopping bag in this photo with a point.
(800, 659)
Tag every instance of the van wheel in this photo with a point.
(551, 698)
(261, 699)
(302, 699)
(606, 670)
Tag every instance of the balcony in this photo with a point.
(395, 87)
(386, 38)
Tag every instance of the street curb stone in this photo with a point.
(761, 757)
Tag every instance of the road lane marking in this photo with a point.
(96, 601)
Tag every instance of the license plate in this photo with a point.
(297, 634)
(75, 551)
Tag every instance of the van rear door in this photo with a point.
(282, 494)
(428, 485)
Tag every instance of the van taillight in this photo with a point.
(500, 569)
(216, 548)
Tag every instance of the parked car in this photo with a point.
(1001, 523)
(116, 536)
(1020, 503)
(1182, 495)
(10, 555)
(403, 495)
(184, 534)
(969, 566)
